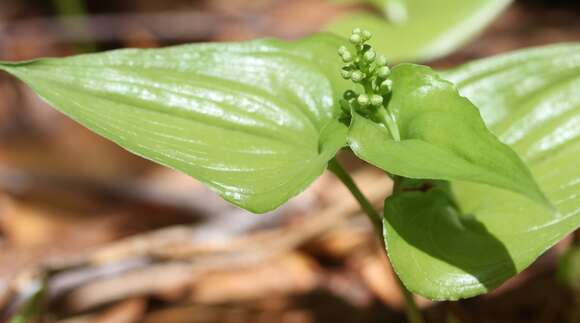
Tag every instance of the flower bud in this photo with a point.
(370, 55)
(383, 72)
(376, 100)
(346, 74)
(346, 57)
(349, 95)
(342, 50)
(386, 85)
(363, 100)
(356, 31)
(366, 35)
(355, 39)
(357, 76)
(381, 60)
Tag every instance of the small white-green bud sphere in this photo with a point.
(370, 55)
(356, 31)
(376, 100)
(381, 60)
(355, 39)
(342, 50)
(363, 100)
(366, 35)
(386, 85)
(345, 74)
(383, 72)
(357, 76)
(346, 57)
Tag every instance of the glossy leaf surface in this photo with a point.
(424, 30)
(255, 120)
(531, 100)
(442, 137)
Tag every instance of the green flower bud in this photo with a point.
(386, 85)
(346, 74)
(366, 35)
(376, 100)
(349, 95)
(370, 55)
(381, 60)
(383, 72)
(355, 39)
(346, 57)
(356, 31)
(363, 100)
(342, 50)
(357, 76)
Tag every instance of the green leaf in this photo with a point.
(256, 121)
(446, 249)
(442, 137)
(394, 10)
(425, 30)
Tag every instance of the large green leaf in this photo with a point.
(442, 137)
(255, 120)
(428, 29)
(531, 100)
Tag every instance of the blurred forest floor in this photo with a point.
(90, 233)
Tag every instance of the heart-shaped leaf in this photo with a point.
(421, 30)
(442, 137)
(256, 121)
(449, 247)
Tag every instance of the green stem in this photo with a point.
(411, 308)
(387, 119)
(366, 206)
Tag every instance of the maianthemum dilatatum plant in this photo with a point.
(485, 157)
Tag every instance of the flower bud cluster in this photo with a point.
(366, 68)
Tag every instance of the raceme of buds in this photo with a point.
(366, 68)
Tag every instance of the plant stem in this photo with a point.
(387, 119)
(366, 206)
(411, 308)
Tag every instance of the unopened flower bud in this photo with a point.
(349, 95)
(381, 60)
(370, 55)
(363, 100)
(376, 100)
(346, 74)
(356, 31)
(383, 72)
(342, 50)
(346, 57)
(356, 39)
(386, 85)
(357, 76)
(366, 35)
